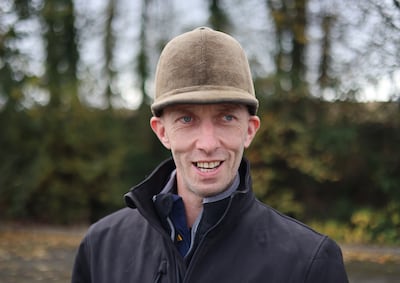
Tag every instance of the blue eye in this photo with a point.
(228, 117)
(186, 119)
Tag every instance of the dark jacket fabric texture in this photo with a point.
(248, 241)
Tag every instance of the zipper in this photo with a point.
(194, 258)
(161, 271)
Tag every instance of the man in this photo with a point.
(195, 218)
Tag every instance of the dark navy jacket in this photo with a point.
(242, 240)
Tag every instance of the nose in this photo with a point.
(207, 137)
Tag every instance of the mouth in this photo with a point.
(207, 166)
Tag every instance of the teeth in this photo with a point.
(208, 165)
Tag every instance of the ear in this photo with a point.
(253, 126)
(158, 127)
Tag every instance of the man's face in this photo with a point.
(207, 143)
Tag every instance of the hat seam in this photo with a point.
(204, 63)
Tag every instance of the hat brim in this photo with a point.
(206, 96)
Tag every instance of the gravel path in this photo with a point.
(37, 254)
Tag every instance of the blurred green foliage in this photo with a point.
(332, 164)
(309, 160)
(71, 165)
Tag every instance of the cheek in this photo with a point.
(178, 143)
(236, 142)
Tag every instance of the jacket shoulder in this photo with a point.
(296, 240)
(296, 236)
(118, 220)
(286, 224)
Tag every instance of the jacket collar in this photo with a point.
(141, 196)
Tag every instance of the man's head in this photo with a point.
(204, 109)
(203, 66)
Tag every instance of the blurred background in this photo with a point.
(76, 81)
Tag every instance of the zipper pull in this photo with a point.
(161, 271)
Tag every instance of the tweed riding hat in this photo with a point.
(203, 66)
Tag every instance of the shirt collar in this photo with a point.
(170, 186)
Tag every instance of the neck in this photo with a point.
(193, 206)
